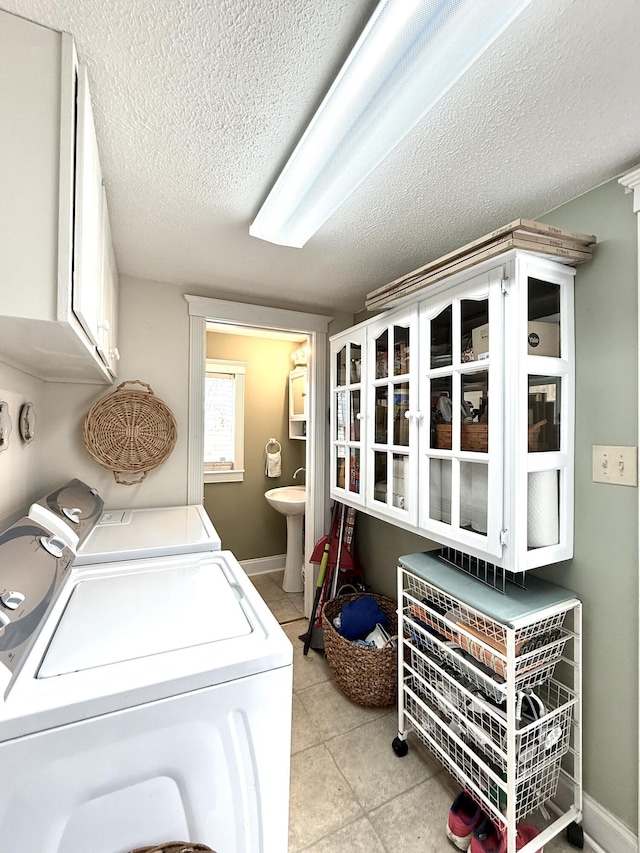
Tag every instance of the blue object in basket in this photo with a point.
(359, 617)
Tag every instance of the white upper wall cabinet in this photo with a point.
(452, 416)
(55, 305)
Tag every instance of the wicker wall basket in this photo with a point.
(130, 432)
(175, 847)
(366, 676)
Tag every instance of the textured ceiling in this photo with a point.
(198, 104)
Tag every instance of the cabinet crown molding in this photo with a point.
(631, 183)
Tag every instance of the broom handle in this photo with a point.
(320, 582)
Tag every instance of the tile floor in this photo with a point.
(349, 791)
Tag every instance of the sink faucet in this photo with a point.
(297, 471)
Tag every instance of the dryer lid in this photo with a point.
(125, 613)
(128, 534)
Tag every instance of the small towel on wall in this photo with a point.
(273, 451)
(274, 464)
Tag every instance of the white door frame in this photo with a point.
(315, 327)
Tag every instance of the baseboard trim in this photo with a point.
(608, 831)
(603, 831)
(263, 565)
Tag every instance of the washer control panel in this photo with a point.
(11, 599)
(71, 511)
(34, 563)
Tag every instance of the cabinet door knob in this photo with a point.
(417, 415)
(104, 324)
(115, 353)
(359, 416)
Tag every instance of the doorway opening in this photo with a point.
(250, 320)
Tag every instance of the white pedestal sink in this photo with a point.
(290, 501)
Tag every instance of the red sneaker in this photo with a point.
(489, 838)
(464, 816)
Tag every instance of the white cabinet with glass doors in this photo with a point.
(452, 416)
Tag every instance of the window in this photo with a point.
(224, 421)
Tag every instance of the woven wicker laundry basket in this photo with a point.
(366, 676)
(130, 432)
(175, 847)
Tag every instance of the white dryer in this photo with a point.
(143, 701)
(76, 511)
(129, 534)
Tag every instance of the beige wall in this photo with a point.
(247, 525)
(604, 571)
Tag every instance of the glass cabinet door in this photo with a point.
(392, 442)
(460, 378)
(547, 388)
(347, 416)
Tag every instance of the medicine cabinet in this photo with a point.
(298, 403)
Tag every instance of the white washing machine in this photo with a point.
(143, 701)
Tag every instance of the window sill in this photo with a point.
(236, 476)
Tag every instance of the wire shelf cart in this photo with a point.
(490, 683)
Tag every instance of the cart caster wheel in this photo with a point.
(400, 747)
(575, 835)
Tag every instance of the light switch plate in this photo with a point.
(615, 464)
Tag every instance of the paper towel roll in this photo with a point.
(446, 491)
(435, 489)
(542, 509)
(466, 498)
(400, 481)
(479, 497)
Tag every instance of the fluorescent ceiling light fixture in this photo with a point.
(410, 53)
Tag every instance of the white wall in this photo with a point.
(20, 463)
(154, 344)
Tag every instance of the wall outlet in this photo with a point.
(617, 465)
